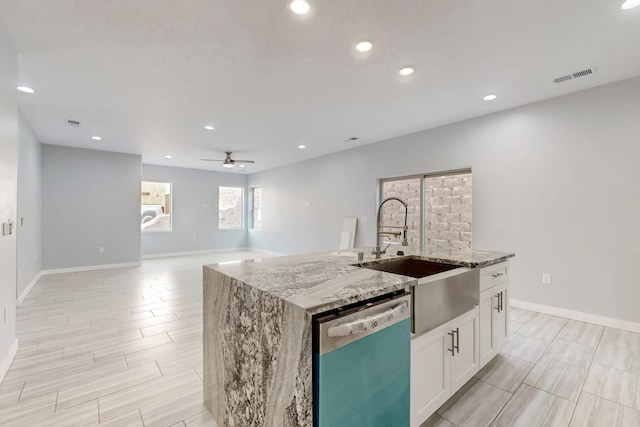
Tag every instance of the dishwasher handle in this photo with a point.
(371, 322)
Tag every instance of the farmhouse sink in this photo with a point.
(411, 267)
(435, 300)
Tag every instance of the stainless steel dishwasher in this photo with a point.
(361, 364)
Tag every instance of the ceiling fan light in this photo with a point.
(228, 165)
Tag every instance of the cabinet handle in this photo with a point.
(496, 275)
(457, 331)
(498, 308)
(453, 344)
(501, 302)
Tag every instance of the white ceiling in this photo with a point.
(147, 75)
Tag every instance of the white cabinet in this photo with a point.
(494, 311)
(442, 360)
(466, 360)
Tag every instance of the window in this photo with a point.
(256, 208)
(230, 208)
(155, 206)
(439, 214)
(393, 212)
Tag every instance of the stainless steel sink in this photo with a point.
(442, 293)
(411, 267)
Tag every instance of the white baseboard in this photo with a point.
(91, 267)
(577, 315)
(6, 362)
(206, 251)
(266, 252)
(26, 291)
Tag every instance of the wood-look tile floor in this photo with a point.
(123, 347)
(554, 372)
(119, 347)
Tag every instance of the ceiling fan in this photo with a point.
(228, 162)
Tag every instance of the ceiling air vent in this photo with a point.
(582, 73)
(563, 78)
(74, 123)
(575, 75)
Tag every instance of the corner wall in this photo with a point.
(29, 221)
(556, 182)
(90, 199)
(194, 211)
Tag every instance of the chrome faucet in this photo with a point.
(377, 251)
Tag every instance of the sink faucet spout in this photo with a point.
(377, 251)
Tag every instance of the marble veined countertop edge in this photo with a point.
(323, 281)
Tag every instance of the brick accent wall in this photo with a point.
(447, 210)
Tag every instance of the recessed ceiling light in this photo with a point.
(302, 146)
(96, 138)
(209, 127)
(490, 97)
(364, 46)
(25, 89)
(630, 4)
(406, 71)
(167, 157)
(299, 7)
(228, 165)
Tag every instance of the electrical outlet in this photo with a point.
(546, 279)
(100, 250)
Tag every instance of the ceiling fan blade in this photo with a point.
(211, 160)
(243, 161)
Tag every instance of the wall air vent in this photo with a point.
(74, 123)
(575, 75)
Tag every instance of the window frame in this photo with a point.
(423, 202)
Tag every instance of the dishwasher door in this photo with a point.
(361, 365)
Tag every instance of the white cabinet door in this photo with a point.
(430, 370)
(494, 322)
(465, 361)
(500, 319)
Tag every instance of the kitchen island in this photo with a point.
(258, 326)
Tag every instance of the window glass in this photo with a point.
(407, 190)
(230, 208)
(155, 206)
(256, 208)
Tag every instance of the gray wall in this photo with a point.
(555, 181)
(194, 211)
(29, 206)
(90, 199)
(8, 187)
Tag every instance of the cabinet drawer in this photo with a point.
(493, 275)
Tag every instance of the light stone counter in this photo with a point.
(258, 326)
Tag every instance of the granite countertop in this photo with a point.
(323, 281)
